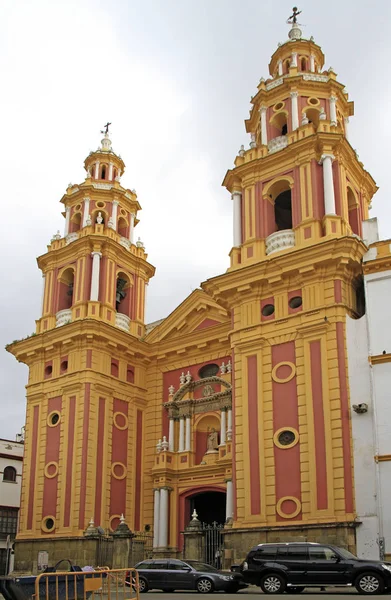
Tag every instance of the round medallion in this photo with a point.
(287, 372)
(120, 420)
(288, 501)
(51, 469)
(118, 470)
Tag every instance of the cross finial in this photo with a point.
(293, 17)
(106, 128)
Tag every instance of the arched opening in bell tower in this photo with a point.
(279, 123)
(353, 211)
(75, 223)
(65, 289)
(123, 228)
(283, 210)
(122, 294)
(312, 115)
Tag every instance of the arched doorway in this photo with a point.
(210, 507)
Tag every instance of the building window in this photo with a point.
(9, 474)
(8, 521)
(208, 371)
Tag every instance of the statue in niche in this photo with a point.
(212, 441)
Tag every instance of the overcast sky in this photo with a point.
(175, 78)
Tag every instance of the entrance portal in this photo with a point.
(210, 507)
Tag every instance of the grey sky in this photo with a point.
(175, 78)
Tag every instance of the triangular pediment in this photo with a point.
(198, 312)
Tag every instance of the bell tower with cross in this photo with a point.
(85, 393)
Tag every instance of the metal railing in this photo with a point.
(99, 584)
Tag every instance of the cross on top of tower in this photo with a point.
(106, 128)
(293, 17)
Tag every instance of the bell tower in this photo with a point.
(87, 363)
(300, 200)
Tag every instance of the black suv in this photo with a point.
(293, 566)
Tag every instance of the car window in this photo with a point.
(201, 567)
(265, 553)
(346, 553)
(147, 564)
(177, 565)
(159, 564)
(282, 551)
(296, 553)
(321, 553)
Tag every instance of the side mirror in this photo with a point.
(186, 568)
(336, 558)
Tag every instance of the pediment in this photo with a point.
(198, 312)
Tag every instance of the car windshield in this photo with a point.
(199, 566)
(346, 553)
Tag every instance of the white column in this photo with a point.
(328, 184)
(312, 63)
(171, 438)
(229, 506)
(181, 434)
(163, 518)
(294, 59)
(156, 515)
(229, 424)
(188, 433)
(333, 110)
(86, 211)
(347, 128)
(263, 110)
(111, 171)
(67, 220)
(131, 228)
(96, 170)
(295, 110)
(223, 428)
(94, 295)
(43, 293)
(114, 214)
(237, 200)
(280, 71)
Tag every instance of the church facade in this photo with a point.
(238, 405)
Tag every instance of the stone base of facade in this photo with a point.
(114, 552)
(238, 542)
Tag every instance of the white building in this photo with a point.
(369, 361)
(11, 457)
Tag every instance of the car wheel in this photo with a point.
(142, 585)
(294, 590)
(204, 586)
(273, 584)
(369, 583)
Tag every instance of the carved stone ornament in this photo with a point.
(159, 446)
(182, 379)
(89, 221)
(99, 218)
(207, 391)
(223, 368)
(165, 444)
(171, 390)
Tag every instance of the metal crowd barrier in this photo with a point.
(100, 584)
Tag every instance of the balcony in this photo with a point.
(122, 321)
(277, 143)
(63, 317)
(125, 243)
(280, 240)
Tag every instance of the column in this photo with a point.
(43, 293)
(347, 127)
(328, 184)
(181, 434)
(280, 71)
(131, 228)
(229, 506)
(237, 200)
(156, 515)
(188, 433)
(229, 425)
(94, 295)
(294, 59)
(223, 428)
(67, 220)
(163, 518)
(312, 63)
(96, 176)
(111, 171)
(114, 214)
(295, 110)
(333, 110)
(263, 110)
(86, 211)
(171, 439)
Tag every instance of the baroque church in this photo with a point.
(253, 403)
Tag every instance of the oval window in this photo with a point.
(268, 310)
(296, 302)
(208, 371)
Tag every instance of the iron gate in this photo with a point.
(213, 545)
